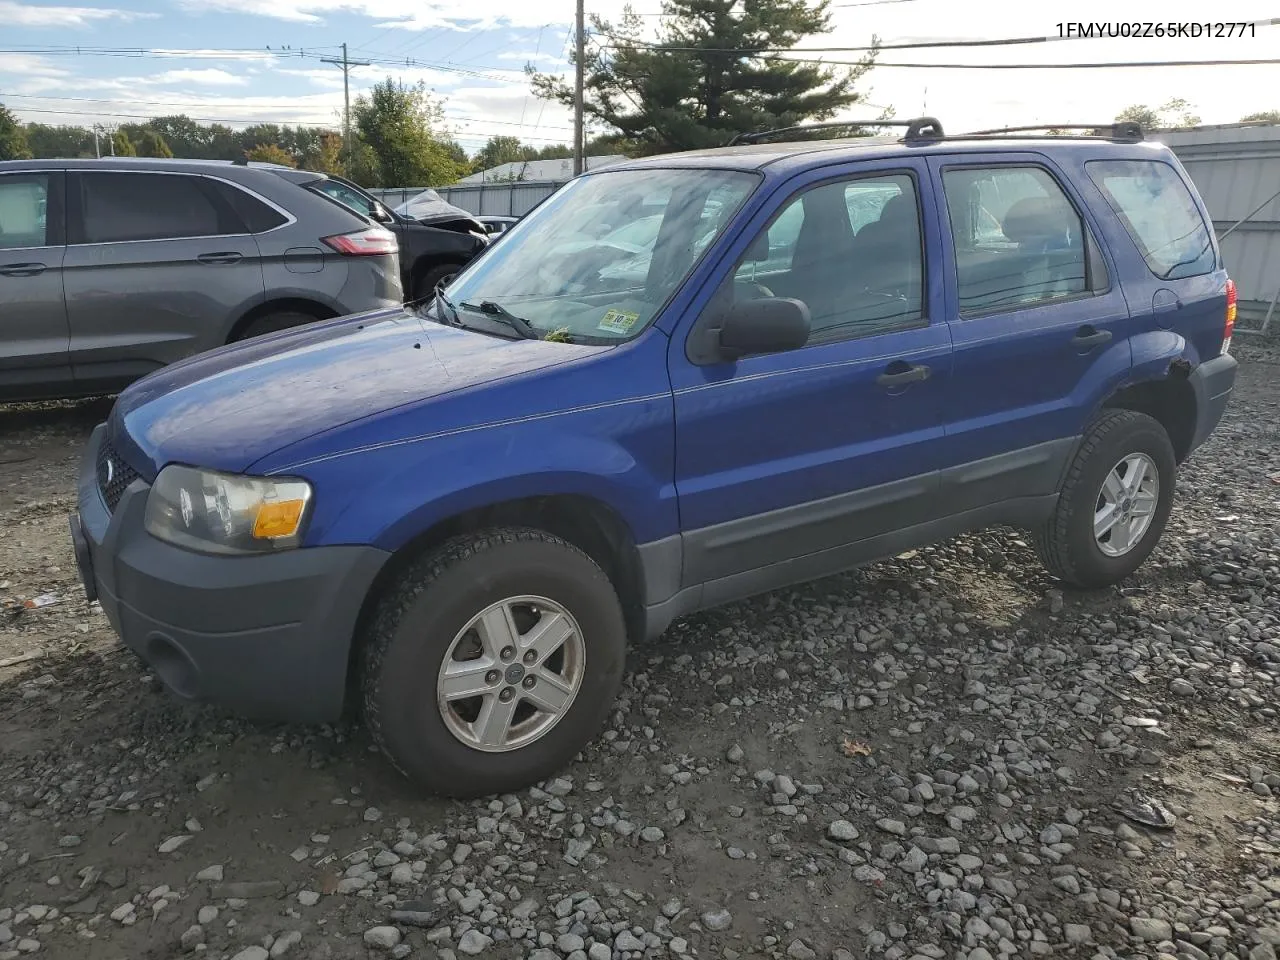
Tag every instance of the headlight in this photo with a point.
(224, 513)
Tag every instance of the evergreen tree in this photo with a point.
(151, 144)
(712, 73)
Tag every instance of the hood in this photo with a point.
(231, 407)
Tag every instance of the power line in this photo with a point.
(919, 45)
(469, 134)
(1043, 66)
(244, 104)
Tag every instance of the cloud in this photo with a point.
(13, 14)
(210, 76)
(410, 15)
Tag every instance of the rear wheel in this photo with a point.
(493, 661)
(273, 323)
(1114, 503)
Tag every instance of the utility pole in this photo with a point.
(96, 151)
(579, 161)
(346, 65)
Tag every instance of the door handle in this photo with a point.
(900, 372)
(22, 269)
(230, 257)
(1090, 336)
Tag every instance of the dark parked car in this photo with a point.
(433, 248)
(827, 353)
(112, 268)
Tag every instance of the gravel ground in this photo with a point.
(940, 756)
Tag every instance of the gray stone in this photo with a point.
(474, 942)
(896, 827)
(717, 920)
(1150, 929)
(381, 938)
(600, 951)
(735, 754)
(799, 950)
(213, 874)
(252, 953)
(627, 942)
(1077, 933)
(914, 861)
(286, 942)
(569, 942)
(651, 834)
(842, 831)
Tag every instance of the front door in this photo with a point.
(784, 462)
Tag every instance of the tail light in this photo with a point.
(1230, 326)
(373, 242)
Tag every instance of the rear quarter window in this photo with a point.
(253, 213)
(1159, 213)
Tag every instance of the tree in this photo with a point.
(151, 144)
(399, 125)
(122, 146)
(13, 139)
(326, 155)
(48, 142)
(270, 153)
(183, 136)
(1262, 116)
(500, 150)
(711, 75)
(1174, 115)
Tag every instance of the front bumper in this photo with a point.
(267, 636)
(1212, 382)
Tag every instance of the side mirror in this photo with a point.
(382, 214)
(770, 325)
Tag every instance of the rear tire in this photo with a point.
(1114, 503)
(417, 683)
(273, 323)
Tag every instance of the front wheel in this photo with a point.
(492, 662)
(427, 282)
(1114, 503)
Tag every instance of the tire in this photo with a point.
(424, 285)
(273, 323)
(428, 609)
(1069, 546)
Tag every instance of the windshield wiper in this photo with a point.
(519, 324)
(448, 312)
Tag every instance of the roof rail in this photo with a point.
(1117, 130)
(921, 128)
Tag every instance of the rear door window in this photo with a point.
(118, 207)
(1160, 213)
(24, 206)
(1018, 239)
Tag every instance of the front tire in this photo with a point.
(273, 323)
(1114, 503)
(490, 663)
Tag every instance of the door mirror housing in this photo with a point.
(768, 325)
(382, 214)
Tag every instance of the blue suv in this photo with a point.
(681, 381)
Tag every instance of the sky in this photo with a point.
(250, 61)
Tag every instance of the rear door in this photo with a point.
(33, 317)
(1039, 324)
(158, 266)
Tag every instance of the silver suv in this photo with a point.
(112, 268)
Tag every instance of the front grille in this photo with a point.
(114, 475)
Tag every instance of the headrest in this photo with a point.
(1037, 219)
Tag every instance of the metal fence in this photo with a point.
(513, 199)
(1237, 171)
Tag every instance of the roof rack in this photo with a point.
(921, 128)
(1117, 130)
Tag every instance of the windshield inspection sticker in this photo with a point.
(617, 321)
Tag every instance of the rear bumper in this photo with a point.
(269, 636)
(1212, 382)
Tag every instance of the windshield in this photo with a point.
(600, 258)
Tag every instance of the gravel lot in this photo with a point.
(937, 757)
